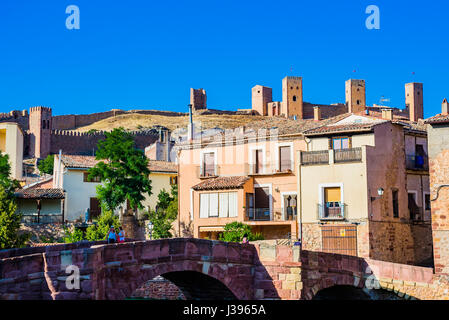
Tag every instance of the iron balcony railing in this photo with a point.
(201, 172)
(417, 162)
(348, 155)
(41, 218)
(332, 211)
(259, 214)
(267, 169)
(315, 157)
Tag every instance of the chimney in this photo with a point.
(444, 107)
(387, 114)
(190, 125)
(316, 113)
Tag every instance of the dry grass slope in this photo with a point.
(139, 121)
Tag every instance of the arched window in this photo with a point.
(294, 98)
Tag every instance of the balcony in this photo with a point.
(202, 173)
(331, 211)
(263, 214)
(269, 169)
(258, 214)
(417, 162)
(315, 157)
(34, 218)
(347, 155)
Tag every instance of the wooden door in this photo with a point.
(95, 209)
(341, 239)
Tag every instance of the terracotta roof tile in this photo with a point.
(341, 128)
(162, 166)
(439, 118)
(72, 161)
(234, 182)
(40, 193)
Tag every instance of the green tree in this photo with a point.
(234, 232)
(100, 230)
(73, 235)
(124, 171)
(8, 184)
(166, 213)
(9, 218)
(46, 165)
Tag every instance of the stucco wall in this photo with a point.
(12, 145)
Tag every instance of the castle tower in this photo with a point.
(414, 100)
(355, 93)
(198, 99)
(292, 104)
(40, 131)
(260, 97)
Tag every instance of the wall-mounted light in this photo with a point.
(276, 189)
(380, 193)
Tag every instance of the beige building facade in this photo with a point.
(11, 143)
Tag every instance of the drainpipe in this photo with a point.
(299, 199)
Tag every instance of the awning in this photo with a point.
(211, 229)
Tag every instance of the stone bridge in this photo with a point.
(203, 269)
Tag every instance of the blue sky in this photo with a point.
(147, 54)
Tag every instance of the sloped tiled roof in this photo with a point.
(233, 182)
(162, 166)
(72, 161)
(352, 127)
(40, 194)
(439, 118)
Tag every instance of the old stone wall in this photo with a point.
(159, 289)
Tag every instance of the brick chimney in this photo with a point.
(387, 114)
(444, 107)
(316, 113)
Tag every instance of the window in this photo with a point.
(358, 102)
(395, 197)
(208, 164)
(340, 143)
(258, 162)
(223, 205)
(289, 206)
(412, 206)
(173, 180)
(294, 98)
(285, 159)
(427, 201)
(85, 178)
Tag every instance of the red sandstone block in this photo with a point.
(233, 253)
(386, 270)
(295, 295)
(219, 252)
(284, 254)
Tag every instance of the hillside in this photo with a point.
(136, 121)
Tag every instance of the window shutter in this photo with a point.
(213, 205)
(233, 212)
(329, 143)
(223, 205)
(204, 205)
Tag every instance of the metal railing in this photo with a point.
(42, 218)
(417, 162)
(348, 155)
(258, 214)
(314, 157)
(202, 173)
(336, 211)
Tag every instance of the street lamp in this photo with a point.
(380, 193)
(150, 229)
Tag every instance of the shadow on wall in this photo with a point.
(353, 293)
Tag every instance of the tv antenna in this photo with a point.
(383, 99)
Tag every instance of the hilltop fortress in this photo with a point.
(46, 134)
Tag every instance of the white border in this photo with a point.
(209, 150)
(330, 185)
(292, 159)
(251, 159)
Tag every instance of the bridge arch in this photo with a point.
(225, 268)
